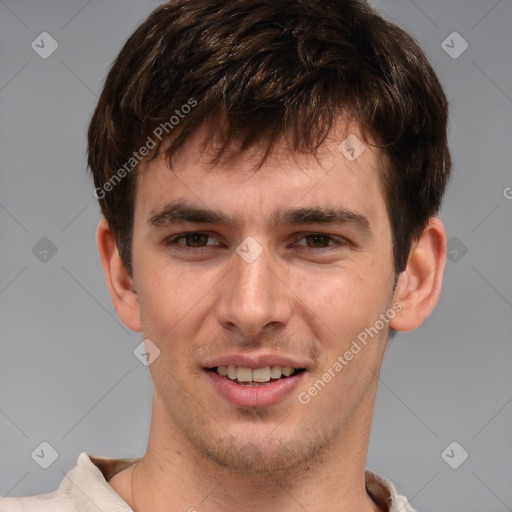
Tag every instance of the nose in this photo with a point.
(254, 296)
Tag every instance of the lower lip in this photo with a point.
(255, 396)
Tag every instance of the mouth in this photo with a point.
(245, 376)
(260, 386)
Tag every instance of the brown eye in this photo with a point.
(193, 240)
(318, 241)
(196, 239)
(314, 241)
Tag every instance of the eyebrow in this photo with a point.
(179, 212)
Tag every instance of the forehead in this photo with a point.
(344, 172)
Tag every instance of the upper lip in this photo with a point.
(255, 361)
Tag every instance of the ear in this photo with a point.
(120, 283)
(419, 285)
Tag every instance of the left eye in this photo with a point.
(314, 240)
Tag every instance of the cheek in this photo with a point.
(168, 300)
(340, 302)
(341, 310)
(167, 315)
(177, 301)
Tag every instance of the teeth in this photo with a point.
(231, 372)
(244, 374)
(287, 371)
(275, 372)
(261, 374)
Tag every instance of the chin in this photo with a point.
(253, 458)
(263, 452)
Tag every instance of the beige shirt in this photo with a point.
(85, 489)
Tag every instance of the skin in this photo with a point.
(304, 296)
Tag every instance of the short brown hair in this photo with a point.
(272, 69)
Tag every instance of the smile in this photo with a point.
(255, 376)
(254, 387)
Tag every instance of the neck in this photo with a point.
(173, 476)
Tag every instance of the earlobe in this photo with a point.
(119, 282)
(419, 285)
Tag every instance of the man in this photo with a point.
(269, 175)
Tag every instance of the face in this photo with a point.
(255, 273)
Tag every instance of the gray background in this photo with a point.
(68, 375)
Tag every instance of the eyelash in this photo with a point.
(173, 241)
